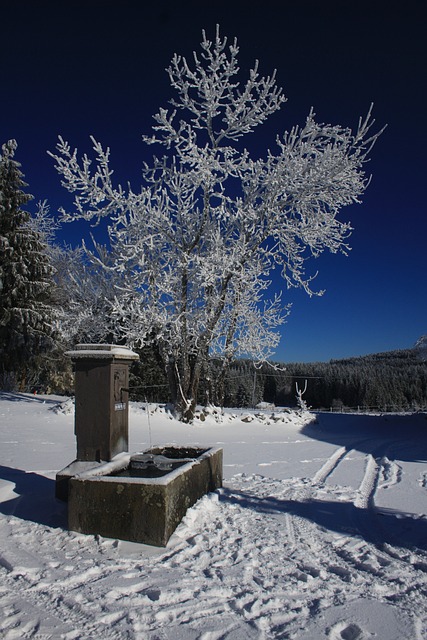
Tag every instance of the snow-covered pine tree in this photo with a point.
(25, 281)
(196, 247)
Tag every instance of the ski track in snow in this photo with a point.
(260, 558)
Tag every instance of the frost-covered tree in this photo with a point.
(87, 296)
(25, 280)
(195, 248)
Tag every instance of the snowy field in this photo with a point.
(320, 531)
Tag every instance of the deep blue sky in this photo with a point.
(77, 68)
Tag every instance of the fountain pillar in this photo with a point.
(101, 408)
(101, 421)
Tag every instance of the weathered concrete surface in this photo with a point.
(63, 477)
(79, 467)
(101, 405)
(145, 510)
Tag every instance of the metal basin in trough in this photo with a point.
(143, 497)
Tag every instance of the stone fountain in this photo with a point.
(141, 497)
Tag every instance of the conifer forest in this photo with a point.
(383, 382)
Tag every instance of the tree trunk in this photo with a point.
(184, 385)
(172, 379)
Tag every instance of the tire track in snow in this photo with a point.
(379, 473)
(365, 494)
(330, 465)
(319, 568)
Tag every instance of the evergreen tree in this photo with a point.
(25, 281)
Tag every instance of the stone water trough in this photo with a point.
(142, 497)
(139, 497)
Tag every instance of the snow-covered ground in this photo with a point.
(320, 531)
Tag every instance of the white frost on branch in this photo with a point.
(194, 251)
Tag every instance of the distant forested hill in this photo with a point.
(393, 380)
(384, 381)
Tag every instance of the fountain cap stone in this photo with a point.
(102, 351)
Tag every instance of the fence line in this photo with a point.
(386, 408)
(152, 391)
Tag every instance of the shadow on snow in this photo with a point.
(377, 526)
(397, 436)
(13, 396)
(35, 500)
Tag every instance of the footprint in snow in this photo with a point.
(346, 631)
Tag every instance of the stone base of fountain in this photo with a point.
(143, 497)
